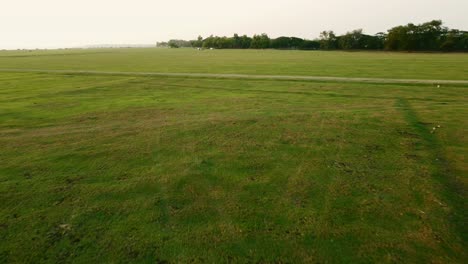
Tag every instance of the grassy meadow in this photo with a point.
(116, 169)
(450, 66)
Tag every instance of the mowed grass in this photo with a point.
(269, 62)
(100, 168)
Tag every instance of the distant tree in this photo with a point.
(198, 43)
(260, 42)
(429, 36)
(380, 39)
(351, 40)
(246, 42)
(178, 43)
(425, 37)
(173, 45)
(162, 44)
(328, 40)
(357, 40)
(310, 45)
(281, 43)
(296, 43)
(288, 43)
(397, 38)
(208, 42)
(455, 40)
(224, 43)
(236, 42)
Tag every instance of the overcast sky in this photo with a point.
(70, 23)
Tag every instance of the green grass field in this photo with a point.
(269, 62)
(115, 169)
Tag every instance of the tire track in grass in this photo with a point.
(453, 191)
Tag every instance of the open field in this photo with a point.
(262, 62)
(128, 168)
(249, 77)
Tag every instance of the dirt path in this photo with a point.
(248, 76)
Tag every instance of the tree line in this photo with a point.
(429, 36)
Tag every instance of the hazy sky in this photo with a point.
(69, 23)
